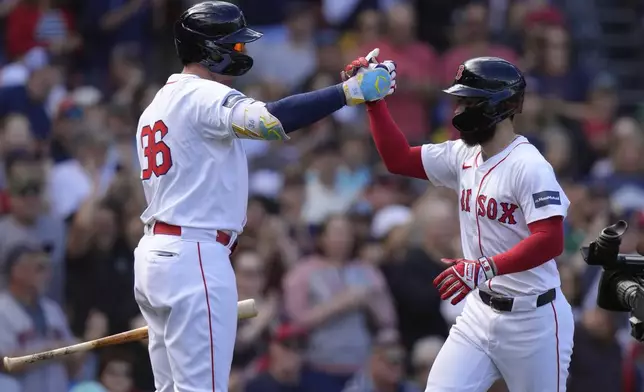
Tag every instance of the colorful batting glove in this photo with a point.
(371, 85)
(362, 65)
(463, 276)
(364, 80)
(390, 66)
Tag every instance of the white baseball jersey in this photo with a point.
(194, 169)
(498, 198)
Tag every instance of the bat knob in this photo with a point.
(7, 364)
(372, 55)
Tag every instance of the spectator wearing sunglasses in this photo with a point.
(27, 220)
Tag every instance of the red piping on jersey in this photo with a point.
(478, 225)
(392, 145)
(476, 159)
(554, 311)
(212, 342)
(174, 81)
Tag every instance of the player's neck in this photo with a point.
(503, 137)
(197, 70)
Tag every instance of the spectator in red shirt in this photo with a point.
(40, 23)
(417, 69)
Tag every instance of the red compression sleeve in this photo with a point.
(397, 155)
(545, 242)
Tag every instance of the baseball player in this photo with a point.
(195, 179)
(516, 324)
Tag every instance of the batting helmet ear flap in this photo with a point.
(499, 97)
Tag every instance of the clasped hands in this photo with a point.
(367, 80)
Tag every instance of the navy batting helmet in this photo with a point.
(214, 33)
(495, 85)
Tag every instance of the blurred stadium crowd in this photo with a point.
(339, 255)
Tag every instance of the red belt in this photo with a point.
(167, 229)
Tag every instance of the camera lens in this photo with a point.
(609, 234)
(615, 231)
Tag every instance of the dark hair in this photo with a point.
(321, 229)
(294, 179)
(15, 253)
(269, 205)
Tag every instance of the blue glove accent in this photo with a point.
(375, 84)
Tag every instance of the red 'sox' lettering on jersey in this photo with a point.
(489, 207)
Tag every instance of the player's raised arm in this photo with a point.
(436, 162)
(252, 119)
(392, 145)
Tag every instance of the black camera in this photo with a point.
(621, 288)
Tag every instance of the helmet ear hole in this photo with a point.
(213, 55)
(487, 108)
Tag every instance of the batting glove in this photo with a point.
(463, 276)
(366, 80)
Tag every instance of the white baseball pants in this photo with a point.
(530, 349)
(185, 287)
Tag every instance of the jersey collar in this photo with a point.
(503, 153)
(179, 76)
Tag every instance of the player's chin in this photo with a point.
(469, 140)
(472, 139)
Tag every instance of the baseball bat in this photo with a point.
(372, 55)
(245, 309)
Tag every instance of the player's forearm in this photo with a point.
(301, 110)
(545, 242)
(392, 145)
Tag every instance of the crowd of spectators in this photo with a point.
(339, 255)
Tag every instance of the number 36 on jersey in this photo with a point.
(155, 150)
